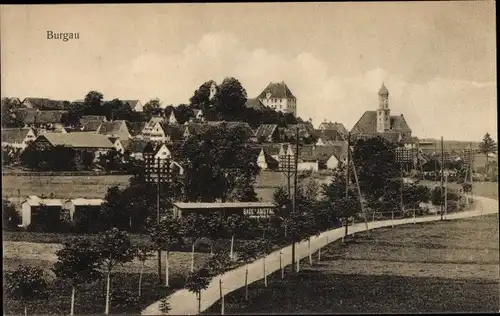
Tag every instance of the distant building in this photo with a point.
(80, 141)
(17, 138)
(250, 209)
(33, 206)
(135, 105)
(380, 122)
(117, 128)
(278, 97)
(83, 212)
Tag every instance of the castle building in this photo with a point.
(278, 97)
(380, 122)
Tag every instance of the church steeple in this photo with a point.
(383, 112)
(383, 91)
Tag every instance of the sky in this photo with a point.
(437, 59)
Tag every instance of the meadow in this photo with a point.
(445, 266)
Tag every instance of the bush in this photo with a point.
(10, 217)
(122, 299)
(467, 187)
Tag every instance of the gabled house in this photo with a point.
(33, 207)
(264, 160)
(151, 124)
(278, 97)
(80, 141)
(267, 133)
(338, 127)
(117, 128)
(135, 105)
(83, 212)
(198, 114)
(18, 138)
(172, 119)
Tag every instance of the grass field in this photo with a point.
(97, 186)
(486, 189)
(448, 266)
(91, 298)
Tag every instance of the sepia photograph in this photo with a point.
(249, 158)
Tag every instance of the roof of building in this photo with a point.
(255, 104)
(265, 130)
(14, 135)
(277, 90)
(47, 104)
(135, 145)
(79, 140)
(207, 205)
(34, 200)
(92, 126)
(383, 90)
(118, 127)
(89, 118)
(86, 202)
(174, 131)
(135, 128)
(271, 149)
(368, 123)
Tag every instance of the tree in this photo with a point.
(87, 158)
(93, 103)
(487, 146)
(10, 116)
(217, 165)
(201, 100)
(195, 228)
(375, 161)
(183, 112)
(114, 210)
(114, 248)
(152, 107)
(165, 236)
(198, 281)
(234, 224)
(231, 98)
(144, 252)
(218, 262)
(10, 217)
(27, 284)
(214, 228)
(78, 262)
(248, 254)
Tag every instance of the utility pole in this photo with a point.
(295, 193)
(442, 167)
(347, 180)
(158, 214)
(472, 156)
(288, 169)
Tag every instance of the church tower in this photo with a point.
(383, 112)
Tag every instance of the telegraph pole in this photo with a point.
(295, 194)
(158, 213)
(442, 168)
(347, 179)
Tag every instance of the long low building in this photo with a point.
(251, 209)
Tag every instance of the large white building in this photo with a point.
(278, 97)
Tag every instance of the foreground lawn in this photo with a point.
(448, 266)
